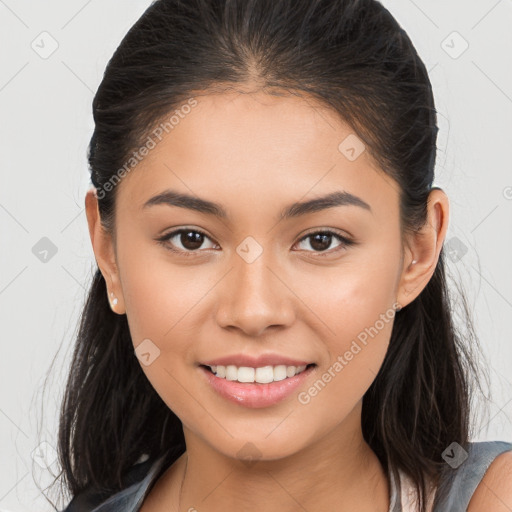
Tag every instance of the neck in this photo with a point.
(339, 472)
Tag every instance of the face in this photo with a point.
(317, 285)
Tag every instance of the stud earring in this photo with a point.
(114, 299)
(413, 262)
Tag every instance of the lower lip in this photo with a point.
(256, 395)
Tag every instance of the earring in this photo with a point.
(114, 300)
(413, 262)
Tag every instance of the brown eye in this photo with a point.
(190, 240)
(321, 241)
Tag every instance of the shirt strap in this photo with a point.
(458, 485)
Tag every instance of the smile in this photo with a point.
(252, 393)
(261, 375)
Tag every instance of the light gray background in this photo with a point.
(45, 126)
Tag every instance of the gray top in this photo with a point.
(459, 482)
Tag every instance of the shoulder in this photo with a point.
(475, 478)
(494, 493)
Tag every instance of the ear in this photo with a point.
(104, 252)
(423, 248)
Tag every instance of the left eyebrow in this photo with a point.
(181, 200)
(332, 200)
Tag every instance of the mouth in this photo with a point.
(260, 375)
(239, 384)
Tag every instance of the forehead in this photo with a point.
(257, 148)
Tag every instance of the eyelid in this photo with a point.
(346, 241)
(164, 240)
(338, 232)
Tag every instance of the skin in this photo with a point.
(255, 154)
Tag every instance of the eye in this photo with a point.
(321, 240)
(189, 239)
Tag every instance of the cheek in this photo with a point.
(165, 304)
(355, 355)
(352, 297)
(162, 305)
(353, 317)
(158, 295)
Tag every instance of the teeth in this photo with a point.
(262, 375)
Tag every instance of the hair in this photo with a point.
(352, 57)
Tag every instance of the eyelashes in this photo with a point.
(319, 235)
(165, 240)
(329, 234)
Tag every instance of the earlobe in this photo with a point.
(424, 247)
(104, 252)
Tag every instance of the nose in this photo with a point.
(254, 297)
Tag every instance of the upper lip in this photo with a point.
(255, 362)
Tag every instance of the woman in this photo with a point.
(269, 327)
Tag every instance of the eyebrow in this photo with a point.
(332, 200)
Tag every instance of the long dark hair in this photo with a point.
(353, 57)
